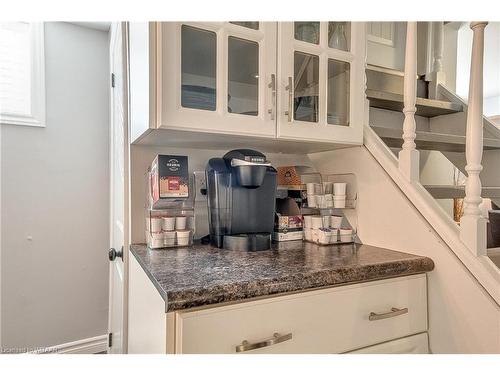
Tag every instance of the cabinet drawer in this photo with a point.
(416, 344)
(332, 320)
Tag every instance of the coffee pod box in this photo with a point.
(288, 224)
(169, 178)
(291, 176)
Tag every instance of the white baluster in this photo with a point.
(473, 225)
(409, 156)
(437, 75)
(438, 31)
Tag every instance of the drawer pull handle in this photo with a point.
(276, 339)
(394, 312)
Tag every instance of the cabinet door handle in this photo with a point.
(289, 88)
(394, 312)
(245, 346)
(272, 86)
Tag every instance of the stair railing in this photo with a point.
(409, 156)
(473, 224)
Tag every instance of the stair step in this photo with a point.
(452, 191)
(425, 107)
(431, 141)
(391, 80)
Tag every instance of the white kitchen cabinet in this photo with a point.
(331, 320)
(321, 69)
(147, 324)
(217, 77)
(258, 79)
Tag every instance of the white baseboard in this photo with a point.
(90, 345)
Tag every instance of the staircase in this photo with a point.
(410, 116)
(385, 92)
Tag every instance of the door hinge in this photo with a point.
(112, 79)
(110, 340)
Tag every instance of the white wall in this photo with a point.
(491, 105)
(462, 316)
(436, 169)
(450, 55)
(389, 56)
(54, 189)
(491, 82)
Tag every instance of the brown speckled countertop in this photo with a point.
(203, 275)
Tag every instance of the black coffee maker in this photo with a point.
(241, 191)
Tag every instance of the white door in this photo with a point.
(321, 81)
(218, 77)
(119, 159)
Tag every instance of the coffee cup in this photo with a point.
(155, 224)
(345, 234)
(339, 188)
(316, 222)
(183, 237)
(169, 238)
(335, 221)
(339, 201)
(180, 222)
(168, 223)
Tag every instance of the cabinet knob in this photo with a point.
(113, 254)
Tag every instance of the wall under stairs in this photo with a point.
(463, 318)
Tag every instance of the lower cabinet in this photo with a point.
(333, 320)
(385, 316)
(416, 344)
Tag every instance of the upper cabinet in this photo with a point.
(321, 73)
(301, 81)
(217, 77)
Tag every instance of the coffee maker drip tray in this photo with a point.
(247, 242)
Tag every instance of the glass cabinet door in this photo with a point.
(306, 87)
(321, 81)
(224, 80)
(198, 68)
(243, 76)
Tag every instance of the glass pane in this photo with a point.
(339, 35)
(338, 92)
(15, 68)
(307, 31)
(198, 65)
(250, 24)
(306, 92)
(243, 76)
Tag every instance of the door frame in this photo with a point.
(126, 165)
